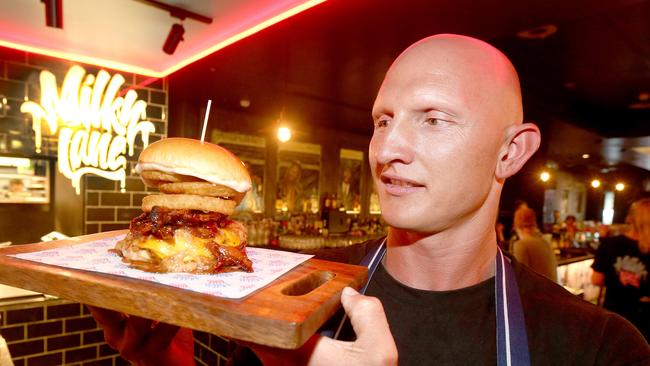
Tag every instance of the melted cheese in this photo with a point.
(227, 238)
(187, 245)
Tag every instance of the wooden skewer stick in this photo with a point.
(205, 120)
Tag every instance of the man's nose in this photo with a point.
(396, 143)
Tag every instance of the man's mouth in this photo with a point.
(397, 182)
(396, 185)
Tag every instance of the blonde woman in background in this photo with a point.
(621, 265)
(531, 249)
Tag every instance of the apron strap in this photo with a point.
(512, 341)
(372, 261)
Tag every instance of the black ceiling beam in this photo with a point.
(177, 12)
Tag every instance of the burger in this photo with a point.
(187, 227)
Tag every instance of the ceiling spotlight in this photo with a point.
(173, 39)
(545, 176)
(284, 134)
(619, 186)
(595, 183)
(244, 102)
(176, 33)
(585, 156)
(53, 13)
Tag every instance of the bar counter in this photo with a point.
(574, 273)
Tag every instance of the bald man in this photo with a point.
(448, 131)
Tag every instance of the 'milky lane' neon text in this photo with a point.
(94, 124)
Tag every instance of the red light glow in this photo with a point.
(116, 65)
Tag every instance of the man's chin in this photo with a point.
(414, 218)
(409, 223)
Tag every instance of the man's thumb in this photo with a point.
(369, 322)
(364, 311)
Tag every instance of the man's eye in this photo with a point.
(432, 121)
(380, 123)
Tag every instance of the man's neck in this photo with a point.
(448, 260)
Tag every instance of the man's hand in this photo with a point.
(144, 342)
(374, 344)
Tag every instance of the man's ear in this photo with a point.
(522, 142)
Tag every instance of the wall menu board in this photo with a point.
(24, 180)
(251, 150)
(298, 185)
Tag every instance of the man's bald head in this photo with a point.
(448, 132)
(488, 80)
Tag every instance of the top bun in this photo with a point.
(203, 160)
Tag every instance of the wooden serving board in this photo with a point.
(283, 314)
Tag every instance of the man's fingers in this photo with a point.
(161, 337)
(112, 322)
(105, 317)
(327, 351)
(142, 341)
(135, 334)
(274, 356)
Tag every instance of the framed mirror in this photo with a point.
(298, 184)
(251, 150)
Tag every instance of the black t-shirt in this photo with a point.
(439, 327)
(626, 275)
(458, 327)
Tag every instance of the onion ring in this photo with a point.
(201, 189)
(189, 202)
(154, 178)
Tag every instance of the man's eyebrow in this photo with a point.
(377, 112)
(436, 103)
(442, 110)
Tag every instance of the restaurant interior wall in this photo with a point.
(100, 206)
(35, 338)
(325, 74)
(188, 96)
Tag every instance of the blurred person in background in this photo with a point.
(603, 231)
(519, 204)
(570, 228)
(531, 249)
(621, 265)
(501, 239)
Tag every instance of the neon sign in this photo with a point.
(95, 126)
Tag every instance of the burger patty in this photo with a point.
(225, 240)
(162, 222)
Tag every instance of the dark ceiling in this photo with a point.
(324, 66)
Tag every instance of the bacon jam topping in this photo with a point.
(163, 240)
(162, 222)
